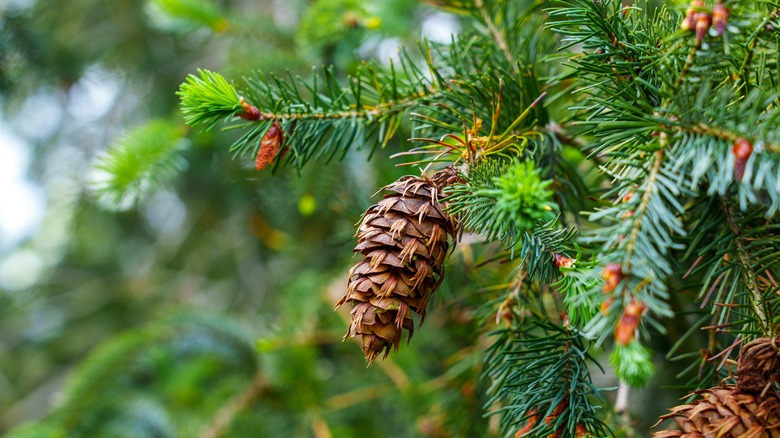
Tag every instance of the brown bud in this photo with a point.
(250, 111)
(269, 146)
(612, 275)
(742, 150)
(703, 21)
(561, 261)
(720, 18)
(532, 419)
(625, 330)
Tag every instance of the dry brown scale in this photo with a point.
(749, 409)
(404, 240)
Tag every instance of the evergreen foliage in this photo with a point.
(141, 161)
(622, 160)
(671, 117)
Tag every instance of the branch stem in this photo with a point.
(639, 213)
(756, 299)
(221, 422)
(364, 111)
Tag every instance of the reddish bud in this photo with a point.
(612, 275)
(689, 22)
(703, 21)
(530, 425)
(562, 261)
(250, 111)
(742, 150)
(557, 411)
(635, 308)
(720, 18)
(269, 146)
(628, 196)
(625, 330)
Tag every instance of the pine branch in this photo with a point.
(320, 117)
(142, 160)
(540, 377)
(501, 200)
(747, 262)
(712, 133)
(495, 33)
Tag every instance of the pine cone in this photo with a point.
(759, 365)
(748, 409)
(725, 412)
(404, 240)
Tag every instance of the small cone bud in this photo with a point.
(250, 111)
(532, 419)
(561, 261)
(625, 330)
(742, 150)
(612, 275)
(720, 18)
(703, 21)
(689, 22)
(269, 146)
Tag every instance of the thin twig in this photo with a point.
(221, 422)
(756, 299)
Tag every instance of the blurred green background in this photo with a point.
(204, 307)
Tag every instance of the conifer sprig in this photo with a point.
(207, 99)
(541, 383)
(545, 250)
(321, 117)
(502, 199)
(140, 161)
(679, 118)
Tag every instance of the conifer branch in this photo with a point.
(319, 118)
(640, 213)
(502, 199)
(540, 374)
(140, 161)
(744, 260)
(725, 134)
